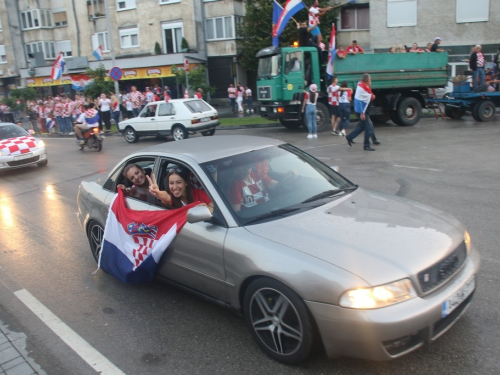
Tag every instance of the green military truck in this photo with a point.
(400, 83)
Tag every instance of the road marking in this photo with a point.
(425, 169)
(81, 347)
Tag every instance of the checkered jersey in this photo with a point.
(18, 145)
(333, 94)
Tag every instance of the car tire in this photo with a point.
(454, 112)
(409, 111)
(95, 235)
(42, 163)
(273, 311)
(486, 111)
(179, 133)
(208, 132)
(130, 135)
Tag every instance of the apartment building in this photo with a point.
(378, 25)
(145, 36)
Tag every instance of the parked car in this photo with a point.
(178, 117)
(20, 149)
(310, 257)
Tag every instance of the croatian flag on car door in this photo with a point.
(134, 241)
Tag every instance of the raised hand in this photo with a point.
(153, 186)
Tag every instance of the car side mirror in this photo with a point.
(198, 213)
(336, 168)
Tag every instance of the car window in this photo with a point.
(275, 179)
(12, 131)
(147, 164)
(166, 109)
(196, 106)
(148, 111)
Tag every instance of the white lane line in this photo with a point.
(90, 355)
(425, 169)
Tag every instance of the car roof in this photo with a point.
(178, 101)
(203, 149)
(7, 123)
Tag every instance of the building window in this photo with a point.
(47, 48)
(60, 18)
(355, 18)
(125, 4)
(101, 39)
(3, 56)
(169, 1)
(129, 38)
(95, 8)
(64, 46)
(473, 11)
(220, 28)
(36, 19)
(172, 37)
(0, 24)
(401, 13)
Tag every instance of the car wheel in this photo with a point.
(42, 163)
(208, 132)
(179, 133)
(95, 234)
(454, 112)
(486, 111)
(130, 135)
(409, 111)
(278, 320)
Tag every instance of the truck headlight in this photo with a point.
(378, 296)
(467, 242)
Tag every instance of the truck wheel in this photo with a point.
(383, 118)
(409, 111)
(486, 111)
(454, 113)
(394, 117)
(290, 124)
(322, 117)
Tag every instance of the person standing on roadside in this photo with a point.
(333, 104)
(477, 63)
(231, 93)
(309, 107)
(115, 108)
(345, 95)
(136, 98)
(362, 99)
(248, 95)
(239, 97)
(105, 108)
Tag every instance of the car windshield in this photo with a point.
(273, 182)
(12, 131)
(269, 66)
(196, 106)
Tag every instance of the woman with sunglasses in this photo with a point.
(180, 192)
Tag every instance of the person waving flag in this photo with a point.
(291, 7)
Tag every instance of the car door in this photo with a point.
(146, 121)
(165, 118)
(195, 258)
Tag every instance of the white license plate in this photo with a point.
(262, 109)
(451, 303)
(23, 156)
(205, 119)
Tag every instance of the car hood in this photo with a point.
(377, 237)
(19, 145)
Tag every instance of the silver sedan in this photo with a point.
(304, 254)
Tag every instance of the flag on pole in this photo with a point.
(57, 67)
(98, 53)
(277, 10)
(332, 51)
(291, 7)
(134, 241)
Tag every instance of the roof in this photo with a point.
(203, 149)
(177, 100)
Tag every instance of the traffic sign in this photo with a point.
(186, 66)
(115, 73)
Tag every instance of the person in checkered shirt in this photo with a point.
(137, 99)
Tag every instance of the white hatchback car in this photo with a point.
(178, 117)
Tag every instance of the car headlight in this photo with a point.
(3, 153)
(467, 241)
(40, 143)
(378, 296)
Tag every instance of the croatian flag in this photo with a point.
(291, 7)
(362, 97)
(332, 51)
(91, 116)
(58, 67)
(277, 10)
(134, 241)
(98, 53)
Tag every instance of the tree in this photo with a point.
(157, 49)
(100, 84)
(256, 31)
(23, 96)
(196, 78)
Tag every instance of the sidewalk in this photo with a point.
(14, 359)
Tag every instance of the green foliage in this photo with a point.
(184, 44)
(256, 31)
(157, 49)
(24, 95)
(196, 78)
(10, 102)
(100, 84)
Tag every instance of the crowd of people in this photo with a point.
(240, 95)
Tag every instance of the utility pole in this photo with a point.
(110, 41)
